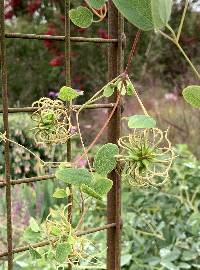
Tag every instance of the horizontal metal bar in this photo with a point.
(59, 38)
(47, 242)
(75, 107)
(28, 180)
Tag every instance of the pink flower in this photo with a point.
(171, 97)
(80, 162)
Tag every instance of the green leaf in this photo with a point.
(194, 223)
(184, 265)
(192, 95)
(73, 176)
(141, 121)
(102, 185)
(130, 89)
(34, 253)
(91, 192)
(81, 16)
(99, 188)
(59, 193)
(126, 259)
(161, 12)
(145, 14)
(188, 255)
(97, 4)
(67, 94)
(48, 117)
(105, 160)
(63, 250)
(121, 88)
(55, 231)
(67, 191)
(169, 265)
(34, 225)
(109, 90)
(31, 236)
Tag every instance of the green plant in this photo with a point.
(145, 161)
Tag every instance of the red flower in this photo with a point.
(62, 18)
(49, 43)
(9, 15)
(15, 3)
(56, 62)
(81, 30)
(33, 6)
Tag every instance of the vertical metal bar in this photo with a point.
(68, 83)
(115, 67)
(6, 130)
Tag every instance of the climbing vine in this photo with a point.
(145, 156)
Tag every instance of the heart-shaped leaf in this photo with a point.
(102, 185)
(105, 160)
(81, 16)
(99, 187)
(67, 94)
(141, 121)
(97, 4)
(73, 176)
(146, 14)
(192, 95)
(63, 250)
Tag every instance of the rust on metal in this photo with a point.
(60, 38)
(6, 130)
(47, 242)
(28, 180)
(115, 67)
(74, 107)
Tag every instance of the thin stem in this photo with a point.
(103, 128)
(33, 154)
(95, 97)
(82, 142)
(140, 101)
(182, 20)
(166, 35)
(133, 50)
(172, 32)
(175, 40)
(188, 60)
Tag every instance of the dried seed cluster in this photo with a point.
(53, 124)
(57, 224)
(147, 157)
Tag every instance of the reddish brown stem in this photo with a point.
(133, 50)
(103, 128)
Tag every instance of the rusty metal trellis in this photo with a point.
(115, 67)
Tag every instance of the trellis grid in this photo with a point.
(115, 44)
